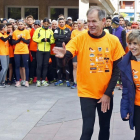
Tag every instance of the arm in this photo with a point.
(125, 99)
(114, 78)
(25, 41)
(5, 39)
(123, 34)
(36, 37)
(14, 42)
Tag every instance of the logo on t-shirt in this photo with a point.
(99, 49)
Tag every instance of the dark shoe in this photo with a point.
(9, 83)
(74, 86)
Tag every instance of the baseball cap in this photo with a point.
(37, 22)
(69, 18)
(115, 20)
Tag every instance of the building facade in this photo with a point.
(18, 9)
(128, 7)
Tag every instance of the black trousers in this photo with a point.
(88, 108)
(33, 65)
(60, 69)
(137, 122)
(42, 64)
(54, 71)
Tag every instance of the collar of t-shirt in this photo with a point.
(93, 36)
(21, 29)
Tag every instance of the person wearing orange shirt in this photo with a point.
(130, 73)
(80, 23)
(74, 25)
(30, 22)
(33, 50)
(98, 54)
(4, 53)
(10, 30)
(21, 39)
(85, 26)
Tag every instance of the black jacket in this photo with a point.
(61, 36)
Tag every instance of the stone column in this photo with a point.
(83, 8)
(2, 9)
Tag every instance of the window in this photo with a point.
(14, 13)
(129, 5)
(55, 11)
(73, 13)
(18, 12)
(31, 11)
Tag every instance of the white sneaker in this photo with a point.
(22, 82)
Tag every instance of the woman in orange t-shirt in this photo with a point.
(4, 53)
(21, 39)
(130, 73)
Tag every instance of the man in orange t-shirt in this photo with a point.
(97, 54)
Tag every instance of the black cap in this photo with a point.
(115, 20)
(46, 20)
(4, 20)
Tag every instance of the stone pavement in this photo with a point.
(50, 113)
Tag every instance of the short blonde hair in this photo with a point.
(134, 34)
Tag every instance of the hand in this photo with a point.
(11, 33)
(19, 36)
(43, 40)
(127, 117)
(105, 103)
(48, 39)
(60, 51)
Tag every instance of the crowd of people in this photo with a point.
(26, 51)
(27, 56)
(93, 54)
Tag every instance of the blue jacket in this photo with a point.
(118, 32)
(128, 95)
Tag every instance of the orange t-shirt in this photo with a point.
(52, 46)
(135, 66)
(95, 62)
(21, 47)
(32, 45)
(69, 27)
(77, 32)
(4, 46)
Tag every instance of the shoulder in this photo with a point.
(38, 29)
(50, 30)
(56, 30)
(112, 37)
